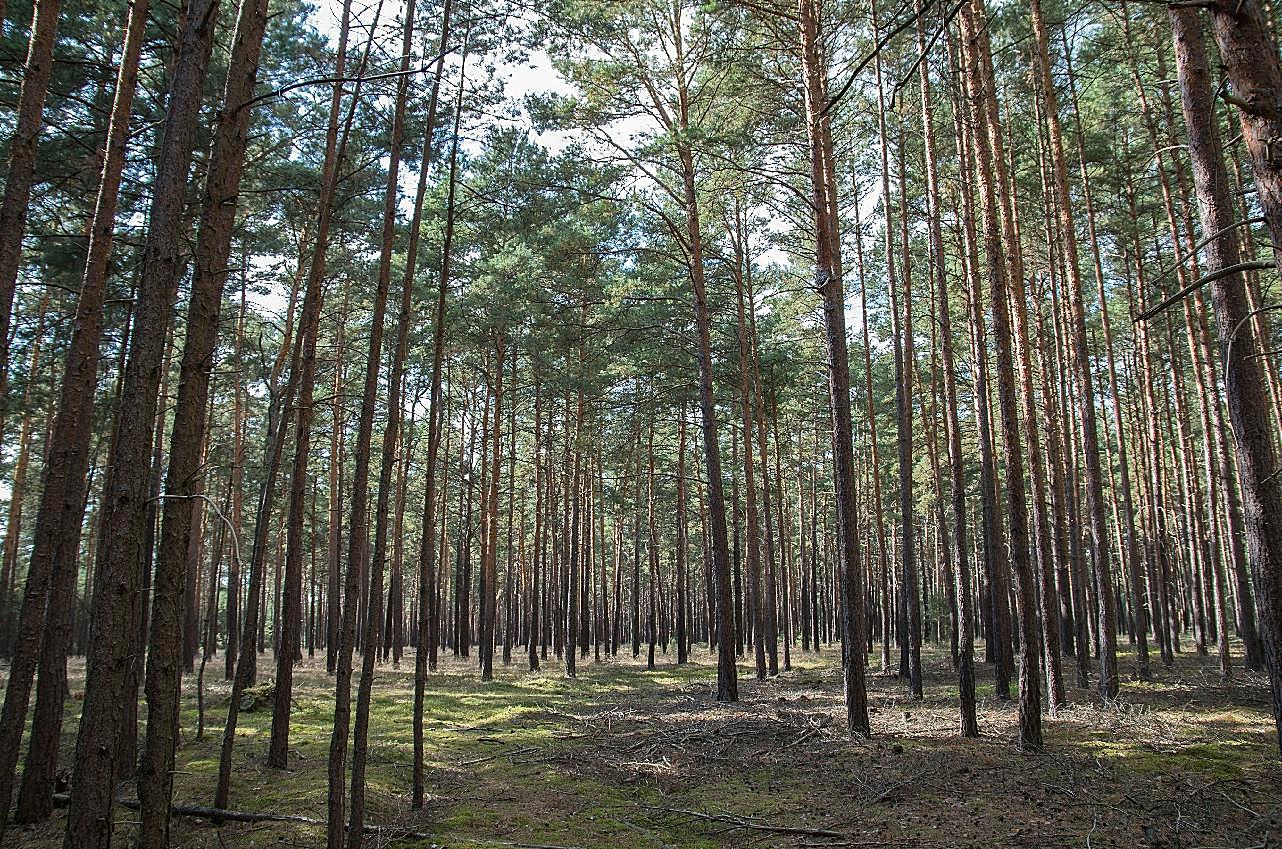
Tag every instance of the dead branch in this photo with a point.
(227, 815)
(755, 824)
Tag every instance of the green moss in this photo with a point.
(610, 758)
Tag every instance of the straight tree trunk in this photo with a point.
(213, 250)
(490, 513)
(428, 599)
(37, 72)
(874, 459)
(983, 110)
(337, 456)
(683, 654)
(18, 487)
(360, 742)
(126, 491)
(828, 283)
(905, 368)
(727, 675)
(753, 529)
(1249, 405)
(952, 428)
(1095, 505)
(304, 367)
(770, 612)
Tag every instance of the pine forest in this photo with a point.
(585, 424)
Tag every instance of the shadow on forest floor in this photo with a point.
(623, 757)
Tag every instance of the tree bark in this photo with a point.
(1249, 406)
(978, 66)
(126, 491)
(213, 251)
(60, 515)
(22, 162)
(428, 605)
(828, 283)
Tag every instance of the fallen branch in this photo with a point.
(226, 815)
(524, 750)
(755, 825)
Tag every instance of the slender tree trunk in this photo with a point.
(428, 606)
(490, 514)
(997, 612)
(1107, 615)
(952, 428)
(770, 611)
(359, 521)
(828, 283)
(337, 457)
(906, 366)
(683, 655)
(213, 250)
(60, 515)
(18, 490)
(753, 530)
(727, 675)
(987, 151)
(37, 72)
(304, 366)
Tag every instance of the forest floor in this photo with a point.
(623, 757)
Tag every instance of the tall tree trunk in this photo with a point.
(997, 611)
(428, 606)
(18, 489)
(302, 369)
(22, 162)
(965, 612)
(490, 512)
(213, 251)
(126, 492)
(978, 67)
(337, 457)
(870, 414)
(360, 485)
(753, 529)
(683, 532)
(905, 367)
(1095, 505)
(60, 515)
(828, 282)
(1249, 405)
(770, 610)
(727, 675)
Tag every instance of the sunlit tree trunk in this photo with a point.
(828, 283)
(978, 66)
(1249, 405)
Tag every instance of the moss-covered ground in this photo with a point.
(625, 757)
